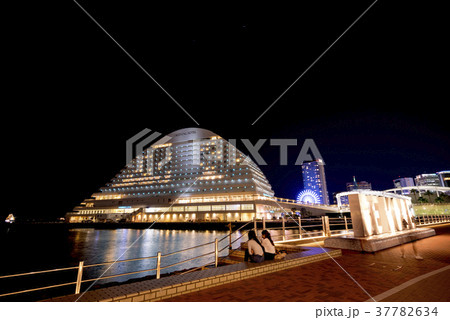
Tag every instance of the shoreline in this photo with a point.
(219, 226)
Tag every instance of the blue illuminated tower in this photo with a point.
(314, 179)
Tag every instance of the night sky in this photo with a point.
(376, 103)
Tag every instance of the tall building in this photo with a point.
(361, 185)
(444, 178)
(195, 175)
(314, 183)
(403, 182)
(428, 179)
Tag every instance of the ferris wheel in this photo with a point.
(308, 196)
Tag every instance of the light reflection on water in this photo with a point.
(97, 246)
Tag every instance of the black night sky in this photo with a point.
(376, 104)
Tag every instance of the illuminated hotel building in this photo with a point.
(444, 178)
(195, 175)
(403, 182)
(314, 180)
(427, 179)
(360, 185)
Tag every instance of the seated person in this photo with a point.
(255, 251)
(269, 248)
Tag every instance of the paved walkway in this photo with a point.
(355, 276)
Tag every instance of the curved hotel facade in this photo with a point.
(190, 175)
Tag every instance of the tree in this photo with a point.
(415, 192)
(422, 200)
(439, 199)
(428, 193)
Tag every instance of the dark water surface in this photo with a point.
(46, 247)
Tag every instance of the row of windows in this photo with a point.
(139, 194)
(203, 182)
(106, 211)
(142, 180)
(207, 208)
(179, 174)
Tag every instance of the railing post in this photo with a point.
(323, 226)
(284, 228)
(299, 227)
(79, 277)
(158, 265)
(346, 224)
(216, 252)
(264, 222)
(229, 237)
(327, 226)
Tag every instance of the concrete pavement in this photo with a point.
(354, 276)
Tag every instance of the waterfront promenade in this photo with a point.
(381, 276)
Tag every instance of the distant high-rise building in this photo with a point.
(428, 179)
(444, 178)
(314, 180)
(361, 185)
(404, 182)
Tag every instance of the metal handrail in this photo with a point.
(36, 289)
(234, 241)
(236, 230)
(118, 261)
(117, 275)
(81, 267)
(186, 249)
(36, 272)
(308, 234)
(190, 259)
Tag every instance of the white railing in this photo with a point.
(325, 224)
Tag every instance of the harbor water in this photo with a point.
(42, 248)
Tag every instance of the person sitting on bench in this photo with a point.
(254, 251)
(269, 247)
